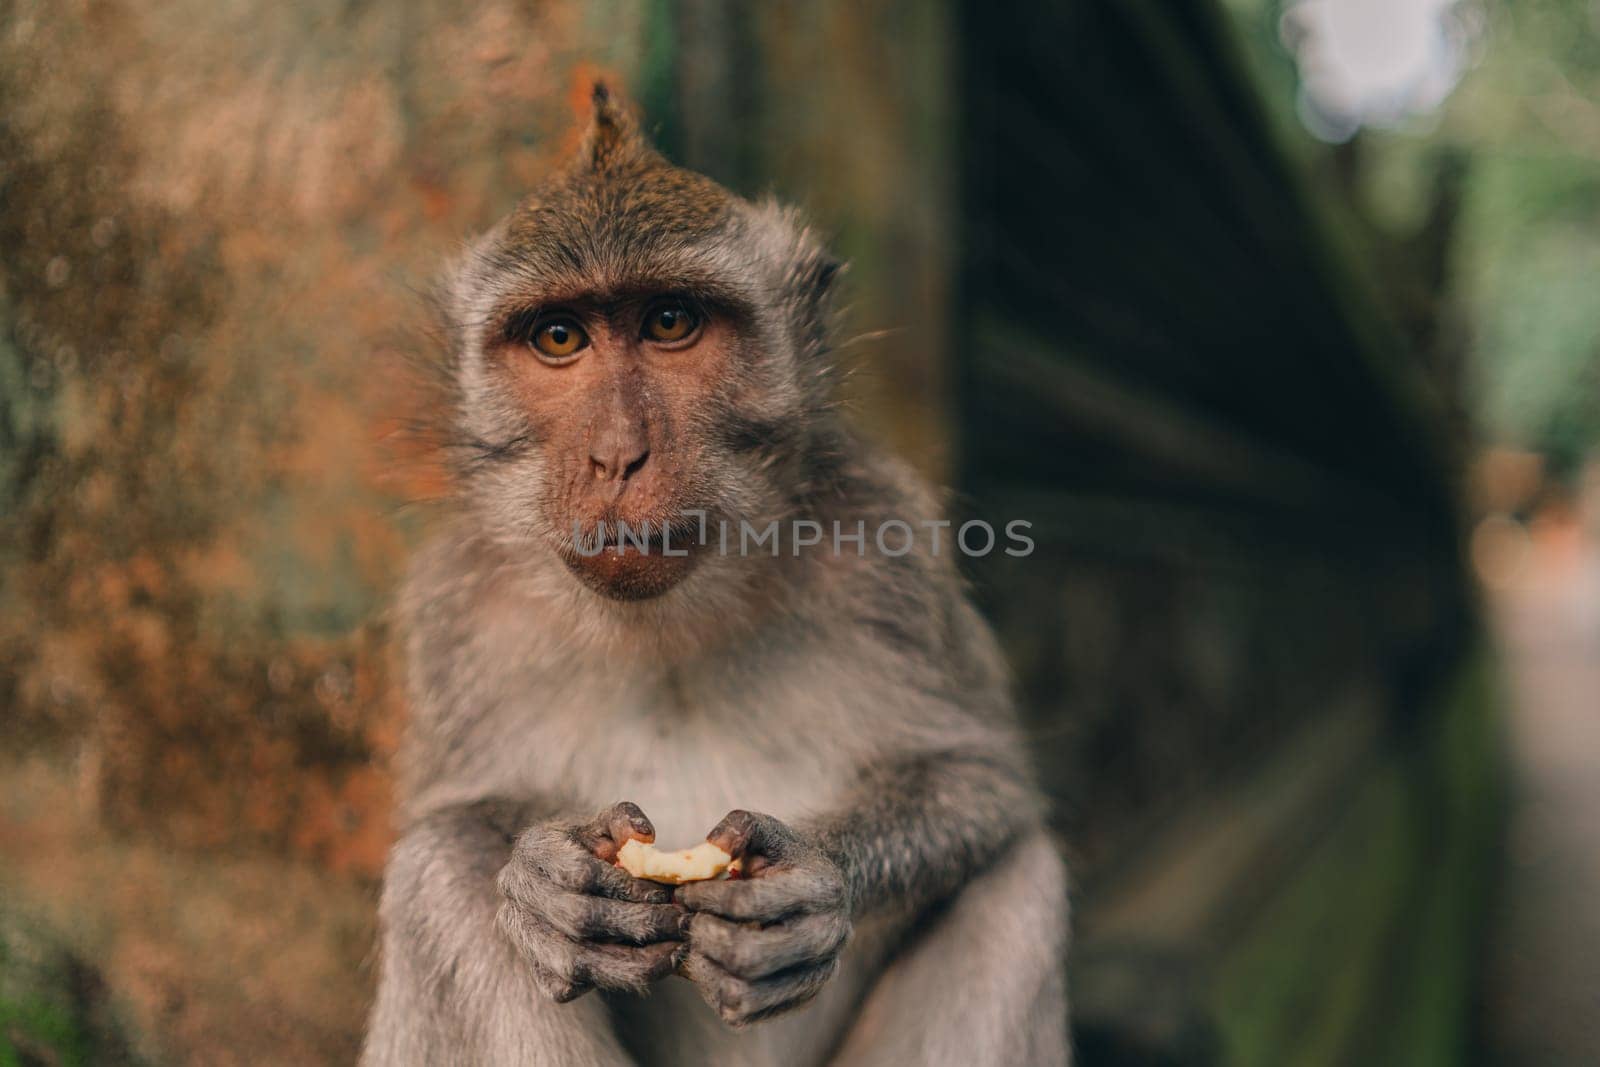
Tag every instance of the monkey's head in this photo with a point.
(635, 344)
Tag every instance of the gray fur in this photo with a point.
(845, 720)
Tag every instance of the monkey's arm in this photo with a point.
(916, 830)
(456, 984)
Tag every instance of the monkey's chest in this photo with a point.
(687, 773)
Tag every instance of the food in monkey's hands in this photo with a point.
(701, 863)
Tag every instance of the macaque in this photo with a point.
(634, 347)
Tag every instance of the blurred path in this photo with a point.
(1544, 993)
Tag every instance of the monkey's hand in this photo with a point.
(769, 940)
(580, 922)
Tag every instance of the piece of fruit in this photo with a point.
(698, 864)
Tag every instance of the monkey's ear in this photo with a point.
(613, 132)
(824, 269)
(814, 272)
(812, 296)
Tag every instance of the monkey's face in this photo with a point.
(636, 345)
(616, 390)
(653, 409)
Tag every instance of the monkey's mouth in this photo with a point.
(626, 561)
(646, 538)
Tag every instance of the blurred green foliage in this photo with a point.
(53, 1006)
(1530, 262)
(1530, 250)
(1381, 904)
(1525, 253)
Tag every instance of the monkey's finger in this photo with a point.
(549, 956)
(759, 952)
(566, 969)
(588, 918)
(768, 898)
(612, 828)
(543, 860)
(740, 1003)
(556, 987)
(608, 880)
(744, 834)
(627, 969)
(583, 872)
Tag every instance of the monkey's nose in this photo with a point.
(608, 464)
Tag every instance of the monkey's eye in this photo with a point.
(670, 321)
(558, 340)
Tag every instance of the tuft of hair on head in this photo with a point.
(612, 137)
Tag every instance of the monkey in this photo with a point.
(634, 344)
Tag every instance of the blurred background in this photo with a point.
(1277, 318)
